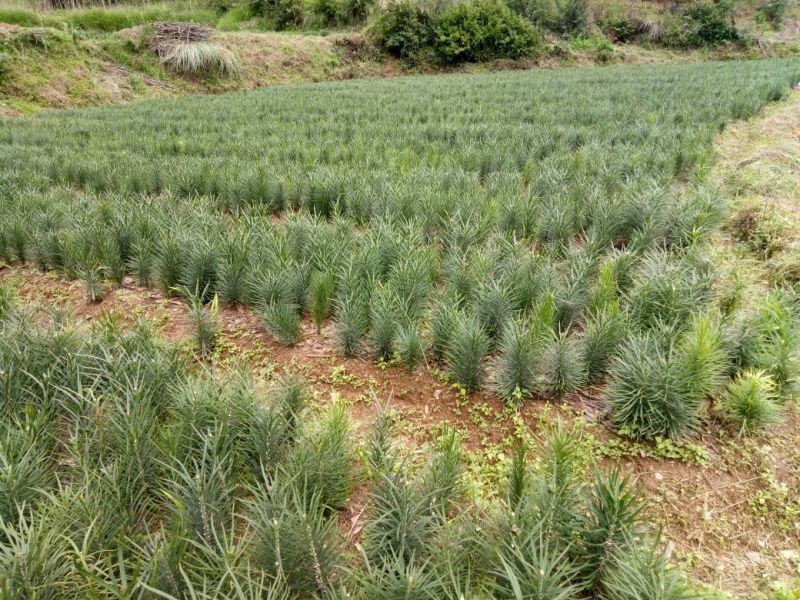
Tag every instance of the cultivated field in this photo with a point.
(521, 237)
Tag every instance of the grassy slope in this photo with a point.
(60, 66)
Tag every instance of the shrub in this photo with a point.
(484, 30)
(5, 66)
(774, 11)
(466, 351)
(750, 401)
(280, 14)
(353, 11)
(573, 16)
(402, 28)
(542, 13)
(619, 23)
(708, 23)
(201, 59)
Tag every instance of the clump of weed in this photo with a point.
(409, 347)
(563, 365)
(468, 347)
(282, 320)
(321, 288)
(750, 402)
(201, 59)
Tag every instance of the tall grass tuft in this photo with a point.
(323, 462)
(292, 538)
(646, 390)
(750, 401)
(205, 322)
(352, 320)
(563, 366)
(321, 288)
(384, 317)
(468, 347)
(201, 59)
(409, 347)
(282, 320)
(443, 320)
(515, 366)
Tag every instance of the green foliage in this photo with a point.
(409, 347)
(775, 11)
(292, 537)
(402, 28)
(483, 30)
(5, 66)
(205, 321)
(351, 323)
(94, 281)
(130, 474)
(8, 299)
(282, 320)
(646, 390)
(573, 16)
(709, 23)
(385, 320)
(280, 14)
(750, 401)
(107, 18)
(563, 367)
(645, 573)
(612, 525)
(321, 288)
(619, 22)
(768, 340)
(466, 352)
(443, 320)
(605, 331)
(493, 308)
(519, 352)
(322, 460)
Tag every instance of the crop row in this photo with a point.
(523, 229)
(128, 474)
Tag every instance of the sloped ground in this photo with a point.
(43, 68)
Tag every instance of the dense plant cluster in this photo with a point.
(128, 474)
(464, 32)
(521, 230)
